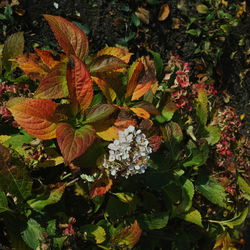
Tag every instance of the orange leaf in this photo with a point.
(71, 38)
(74, 142)
(127, 236)
(133, 74)
(164, 12)
(32, 66)
(141, 90)
(100, 186)
(37, 116)
(108, 92)
(141, 113)
(53, 85)
(121, 53)
(47, 58)
(79, 83)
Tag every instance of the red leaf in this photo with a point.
(134, 73)
(79, 83)
(128, 236)
(37, 116)
(74, 142)
(71, 38)
(100, 186)
(53, 85)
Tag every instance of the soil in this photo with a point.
(109, 22)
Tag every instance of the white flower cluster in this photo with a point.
(129, 154)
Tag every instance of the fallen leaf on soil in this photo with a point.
(176, 23)
(143, 15)
(164, 12)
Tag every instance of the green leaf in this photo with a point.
(212, 190)
(213, 134)
(93, 232)
(13, 47)
(51, 228)
(42, 201)
(236, 221)
(194, 32)
(169, 110)
(192, 216)
(187, 196)
(99, 112)
(199, 154)
(19, 140)
(116, 209)
(135, 20)
(159, 65)
(244, 187)
(14, 179)
(32, 233)
(58, 242)
(3, 202)
(154, 221)
(202, 106)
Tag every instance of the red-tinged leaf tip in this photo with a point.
(70, 37)
(74, 142)
(128, 236)
(37, 117)
(79, 82)
(100, 186)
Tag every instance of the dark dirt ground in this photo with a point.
(109, 22)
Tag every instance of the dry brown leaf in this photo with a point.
(164, 12)
(176, 23)
(143, 15)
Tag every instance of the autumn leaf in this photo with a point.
(127, 236)
(53, 85)
(106, 89)
(74, 142)
(121, 53)
(141, 90)
(79, 83)
(36, 116)
(133, 75)
(32, 66)
(100, 186)
(71, 38)
(108, 134)
(99, 112)
(164, 12)
(36, 66)
(141, 112)
(106, 63)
